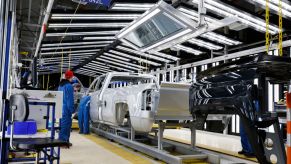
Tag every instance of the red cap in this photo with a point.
(69, 74)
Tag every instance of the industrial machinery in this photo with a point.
(230, 88)
(116, 96)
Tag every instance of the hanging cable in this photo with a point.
(70, 59)
(43, 82)
(267, 26)
(280, 46)
(66, 29)
(48, 81)
(62, 61)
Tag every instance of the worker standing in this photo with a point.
(68, 106)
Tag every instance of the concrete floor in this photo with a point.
(91, 149)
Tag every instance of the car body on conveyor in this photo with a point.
(230, 88)
(117, 96)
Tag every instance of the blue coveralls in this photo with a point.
(246, 146)
(83, 115)
(68, 109)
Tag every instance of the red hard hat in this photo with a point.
(69, 74)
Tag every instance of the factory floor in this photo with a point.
(93, 149)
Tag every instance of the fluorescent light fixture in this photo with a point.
(134, 58)
(95, 16)
(98, 69)
(89, 70)
(195, 16)
(97, 66)
(187, 49)
(123, 69)
(66, 52)
(75, 43)
(99, 38)
(220, 38)
(119, 61)
(204, 44)
(142, 54)
(88, 25)
(118, 64)
(116, 57)
(73, 47)
(163, 25)
(229, 11)
(165, 56)
(81, 33)
(96, 62)
(286, 8)
(131, 6)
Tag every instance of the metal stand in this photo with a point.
(162, 126)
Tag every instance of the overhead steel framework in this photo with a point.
(72, 35)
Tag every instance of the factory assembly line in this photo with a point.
(152, 81)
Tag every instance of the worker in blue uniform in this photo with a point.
(83, 115)
(246, 146)
(68, 106)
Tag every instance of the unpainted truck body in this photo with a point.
(117, 96)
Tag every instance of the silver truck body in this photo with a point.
(117, 96)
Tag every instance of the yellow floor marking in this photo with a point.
(131, 157)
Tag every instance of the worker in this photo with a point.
(83, 115)
(246, 146)
(68, 106)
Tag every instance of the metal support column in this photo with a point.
(34, 72)
(193, 135)
(160, 135)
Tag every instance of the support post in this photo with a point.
(132, 133)
(193, 135)
(160, 135)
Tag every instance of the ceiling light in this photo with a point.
(134, 58)
(165, 56)
(91, 71)
(94, 65)
(99, 38)
(274, 6)
(227, 11)
(204, 44)
(75, 43)
(115, 56)
(65, 52)
(119, 61)
(99, 69)
(142, 54)
(118, 64)
(131, 6)
(79, 34)
(187, 49)
(164, 34)
(95, 16)
(195, 16)
(87, 25)
(220, 38)
(73, 47)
